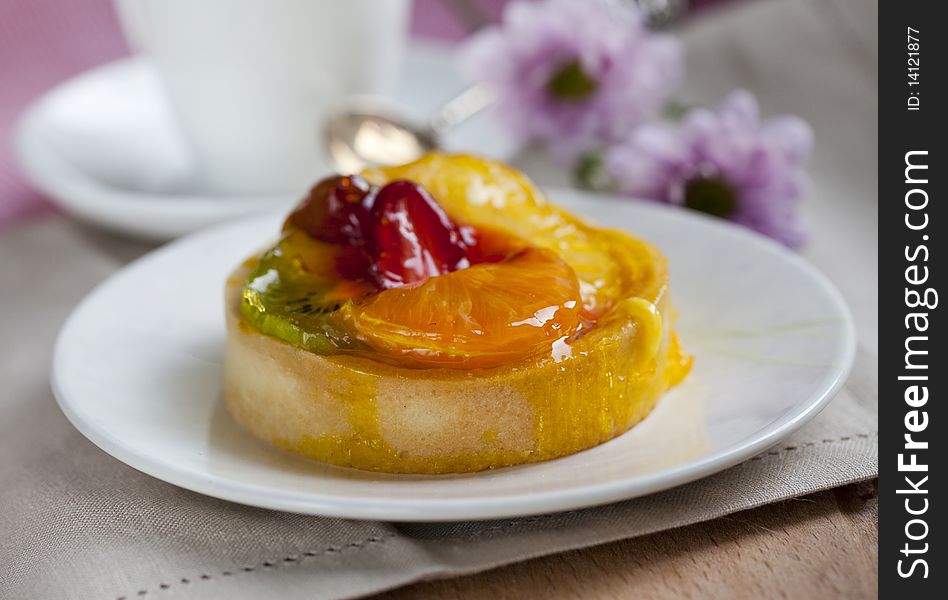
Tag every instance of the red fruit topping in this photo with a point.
(391, 236)
(335, 211)
(413, 238)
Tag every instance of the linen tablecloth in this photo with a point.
(76, 523)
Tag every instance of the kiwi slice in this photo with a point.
(283, 300)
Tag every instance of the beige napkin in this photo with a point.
(76, 523)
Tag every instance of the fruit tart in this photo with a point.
(442, 317)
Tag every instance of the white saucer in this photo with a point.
(137, 369)
(104, 146)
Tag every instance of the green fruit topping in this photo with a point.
(284, 300)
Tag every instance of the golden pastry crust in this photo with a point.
(355, 412)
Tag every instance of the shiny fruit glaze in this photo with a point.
(412, 237)
(481, 316)
(486, 194)
(385, 271)
(391, 235)
(336, 211)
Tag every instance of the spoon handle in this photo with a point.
(461, 108)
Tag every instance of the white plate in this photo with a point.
(137, 369)
(104, 146)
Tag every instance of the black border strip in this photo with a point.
(912, 369)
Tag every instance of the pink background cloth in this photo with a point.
(43, 42)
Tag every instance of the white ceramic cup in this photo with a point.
(251, 81)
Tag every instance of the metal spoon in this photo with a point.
(368, 134)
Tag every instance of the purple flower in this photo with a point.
(725, 162)
(573, 74)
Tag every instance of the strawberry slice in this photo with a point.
(412, 237)
(390, 237)
(335, 211)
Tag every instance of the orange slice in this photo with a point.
(610, 265)
(483, 316)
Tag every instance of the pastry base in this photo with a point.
(356, 412)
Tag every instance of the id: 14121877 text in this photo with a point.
(912, 45)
